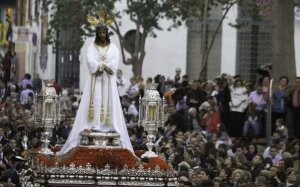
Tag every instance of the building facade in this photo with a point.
(29, 28)
(235, 51)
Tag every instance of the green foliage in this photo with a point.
(71, 16)
(146, 13)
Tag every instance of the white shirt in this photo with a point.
(239, 99)
(24, 96)
(123, 86)
(133, 90)
(132, 111)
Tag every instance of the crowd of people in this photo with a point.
(213, 133)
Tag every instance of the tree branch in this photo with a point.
(121, 40)
(132, 19)
(143, 42)
(206, 54)
(137, 41)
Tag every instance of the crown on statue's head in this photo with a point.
(104, 19)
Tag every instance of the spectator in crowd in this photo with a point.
(28, 92)
(65, 128)
(210, 88)
(295, 150)
(264, 72)
(238, 106)
(225, 160)
(12, 150)
(223, 98)
(282, 130)
(122, 84)
(185, 84)
(29, 102)
(133, 90)
(279, 101)
(257, 98)
(297, 180)
(251, 151)
(295, 106)
(3, 159)
(13, 92)
(177, 75)
(7, 62)
(149, 80)
(161, 87)
(291, 177)
(257, 165)
(168, 97)
(141, 86)
(179, 99)
(195, 96)
(237, 178)
(273, 153)
(193, 120)
(130, 112)
(252, 125)
(199, 175)
(222, 137)
(260, 181)
(65, 100)
(211, 120)
(37, 83)
(26, 80)
(3, 90)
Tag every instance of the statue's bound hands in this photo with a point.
(108, 70)
(98, 73)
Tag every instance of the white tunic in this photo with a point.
(106, 93)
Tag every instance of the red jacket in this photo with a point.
(211, 122)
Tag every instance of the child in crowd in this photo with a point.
(282, 130)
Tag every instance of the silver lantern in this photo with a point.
(47, 113)
(38, 108)
(151, 115)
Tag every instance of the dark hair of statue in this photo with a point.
(97, 39)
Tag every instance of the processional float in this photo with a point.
(99, 160)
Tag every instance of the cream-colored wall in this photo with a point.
(229, 42)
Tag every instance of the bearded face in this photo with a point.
(102, 33)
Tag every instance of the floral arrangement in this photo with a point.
(116, 158)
